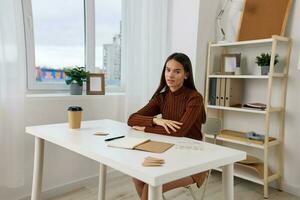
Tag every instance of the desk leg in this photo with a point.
(36, 193)
(227, 181)
(102, 182)
(154, 193)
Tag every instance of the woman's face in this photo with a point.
(174, 75)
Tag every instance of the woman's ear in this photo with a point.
(186, 75)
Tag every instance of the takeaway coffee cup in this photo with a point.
(74, 116)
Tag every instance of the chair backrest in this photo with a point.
(212, 126)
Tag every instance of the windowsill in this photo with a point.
(68, 96)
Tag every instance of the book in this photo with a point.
(153, 162)
(154, 146)
(260, 106)
(127, 142)
(143, 144)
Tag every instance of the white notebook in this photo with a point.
(127, 142)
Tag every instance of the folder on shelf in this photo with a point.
(222, 92)
(140, 144)
(218, 91)
(233, 92)
(212, 91)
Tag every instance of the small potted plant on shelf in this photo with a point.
(264, 62)
(75, 78)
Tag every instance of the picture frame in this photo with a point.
(229, 63)
(95, 84)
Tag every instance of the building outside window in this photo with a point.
(112, 61)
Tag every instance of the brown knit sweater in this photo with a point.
(184, 105)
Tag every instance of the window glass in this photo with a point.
(58, 37)
(108, 40)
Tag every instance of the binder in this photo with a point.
(233, 93)
(218, 91)
(222, 92)
(212, 91)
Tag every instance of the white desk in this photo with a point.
(181, 160)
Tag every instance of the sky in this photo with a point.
(59, 30)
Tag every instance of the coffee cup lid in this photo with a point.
(74, 108)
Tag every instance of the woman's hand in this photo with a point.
(139, 128)
(174, 125)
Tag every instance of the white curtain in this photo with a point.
(12, 96)
(144, 52)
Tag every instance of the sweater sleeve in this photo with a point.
(195, 109)
(144, 117)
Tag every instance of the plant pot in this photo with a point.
(75, 89)
(265, 70)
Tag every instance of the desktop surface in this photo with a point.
(185, 158)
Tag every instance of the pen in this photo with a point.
(110, 139)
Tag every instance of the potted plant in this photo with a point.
(264, 62)
(75, 78)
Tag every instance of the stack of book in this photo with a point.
(260, 106)
(152, 161)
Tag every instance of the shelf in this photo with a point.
(275, 75)
(244, 174)
(220, 85)
(260, 41)
(248, 143)
(237, 109)
(249, 110)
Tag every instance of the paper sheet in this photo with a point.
(95, 84)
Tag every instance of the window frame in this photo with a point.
(89, 48)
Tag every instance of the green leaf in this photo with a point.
(77, 74)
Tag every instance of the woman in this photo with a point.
(182, 112)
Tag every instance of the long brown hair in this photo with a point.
(187, 66)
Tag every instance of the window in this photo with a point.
(108, 40)
(70, 33)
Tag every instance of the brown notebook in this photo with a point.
(140, 144)
(154, 146)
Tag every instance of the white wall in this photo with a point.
(191, 25)
(292, 125)
(206, 31)
(182, 28)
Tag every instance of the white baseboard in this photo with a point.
(62, 189)
(292, 189)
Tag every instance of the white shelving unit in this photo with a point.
(272, 44)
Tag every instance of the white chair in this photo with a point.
(211, 127)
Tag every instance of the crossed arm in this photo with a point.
(144, 119)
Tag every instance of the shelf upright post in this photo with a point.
(267, 118)
(282, 114)
(207, 76)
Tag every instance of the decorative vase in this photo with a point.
(265, 70)
(75, 89)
